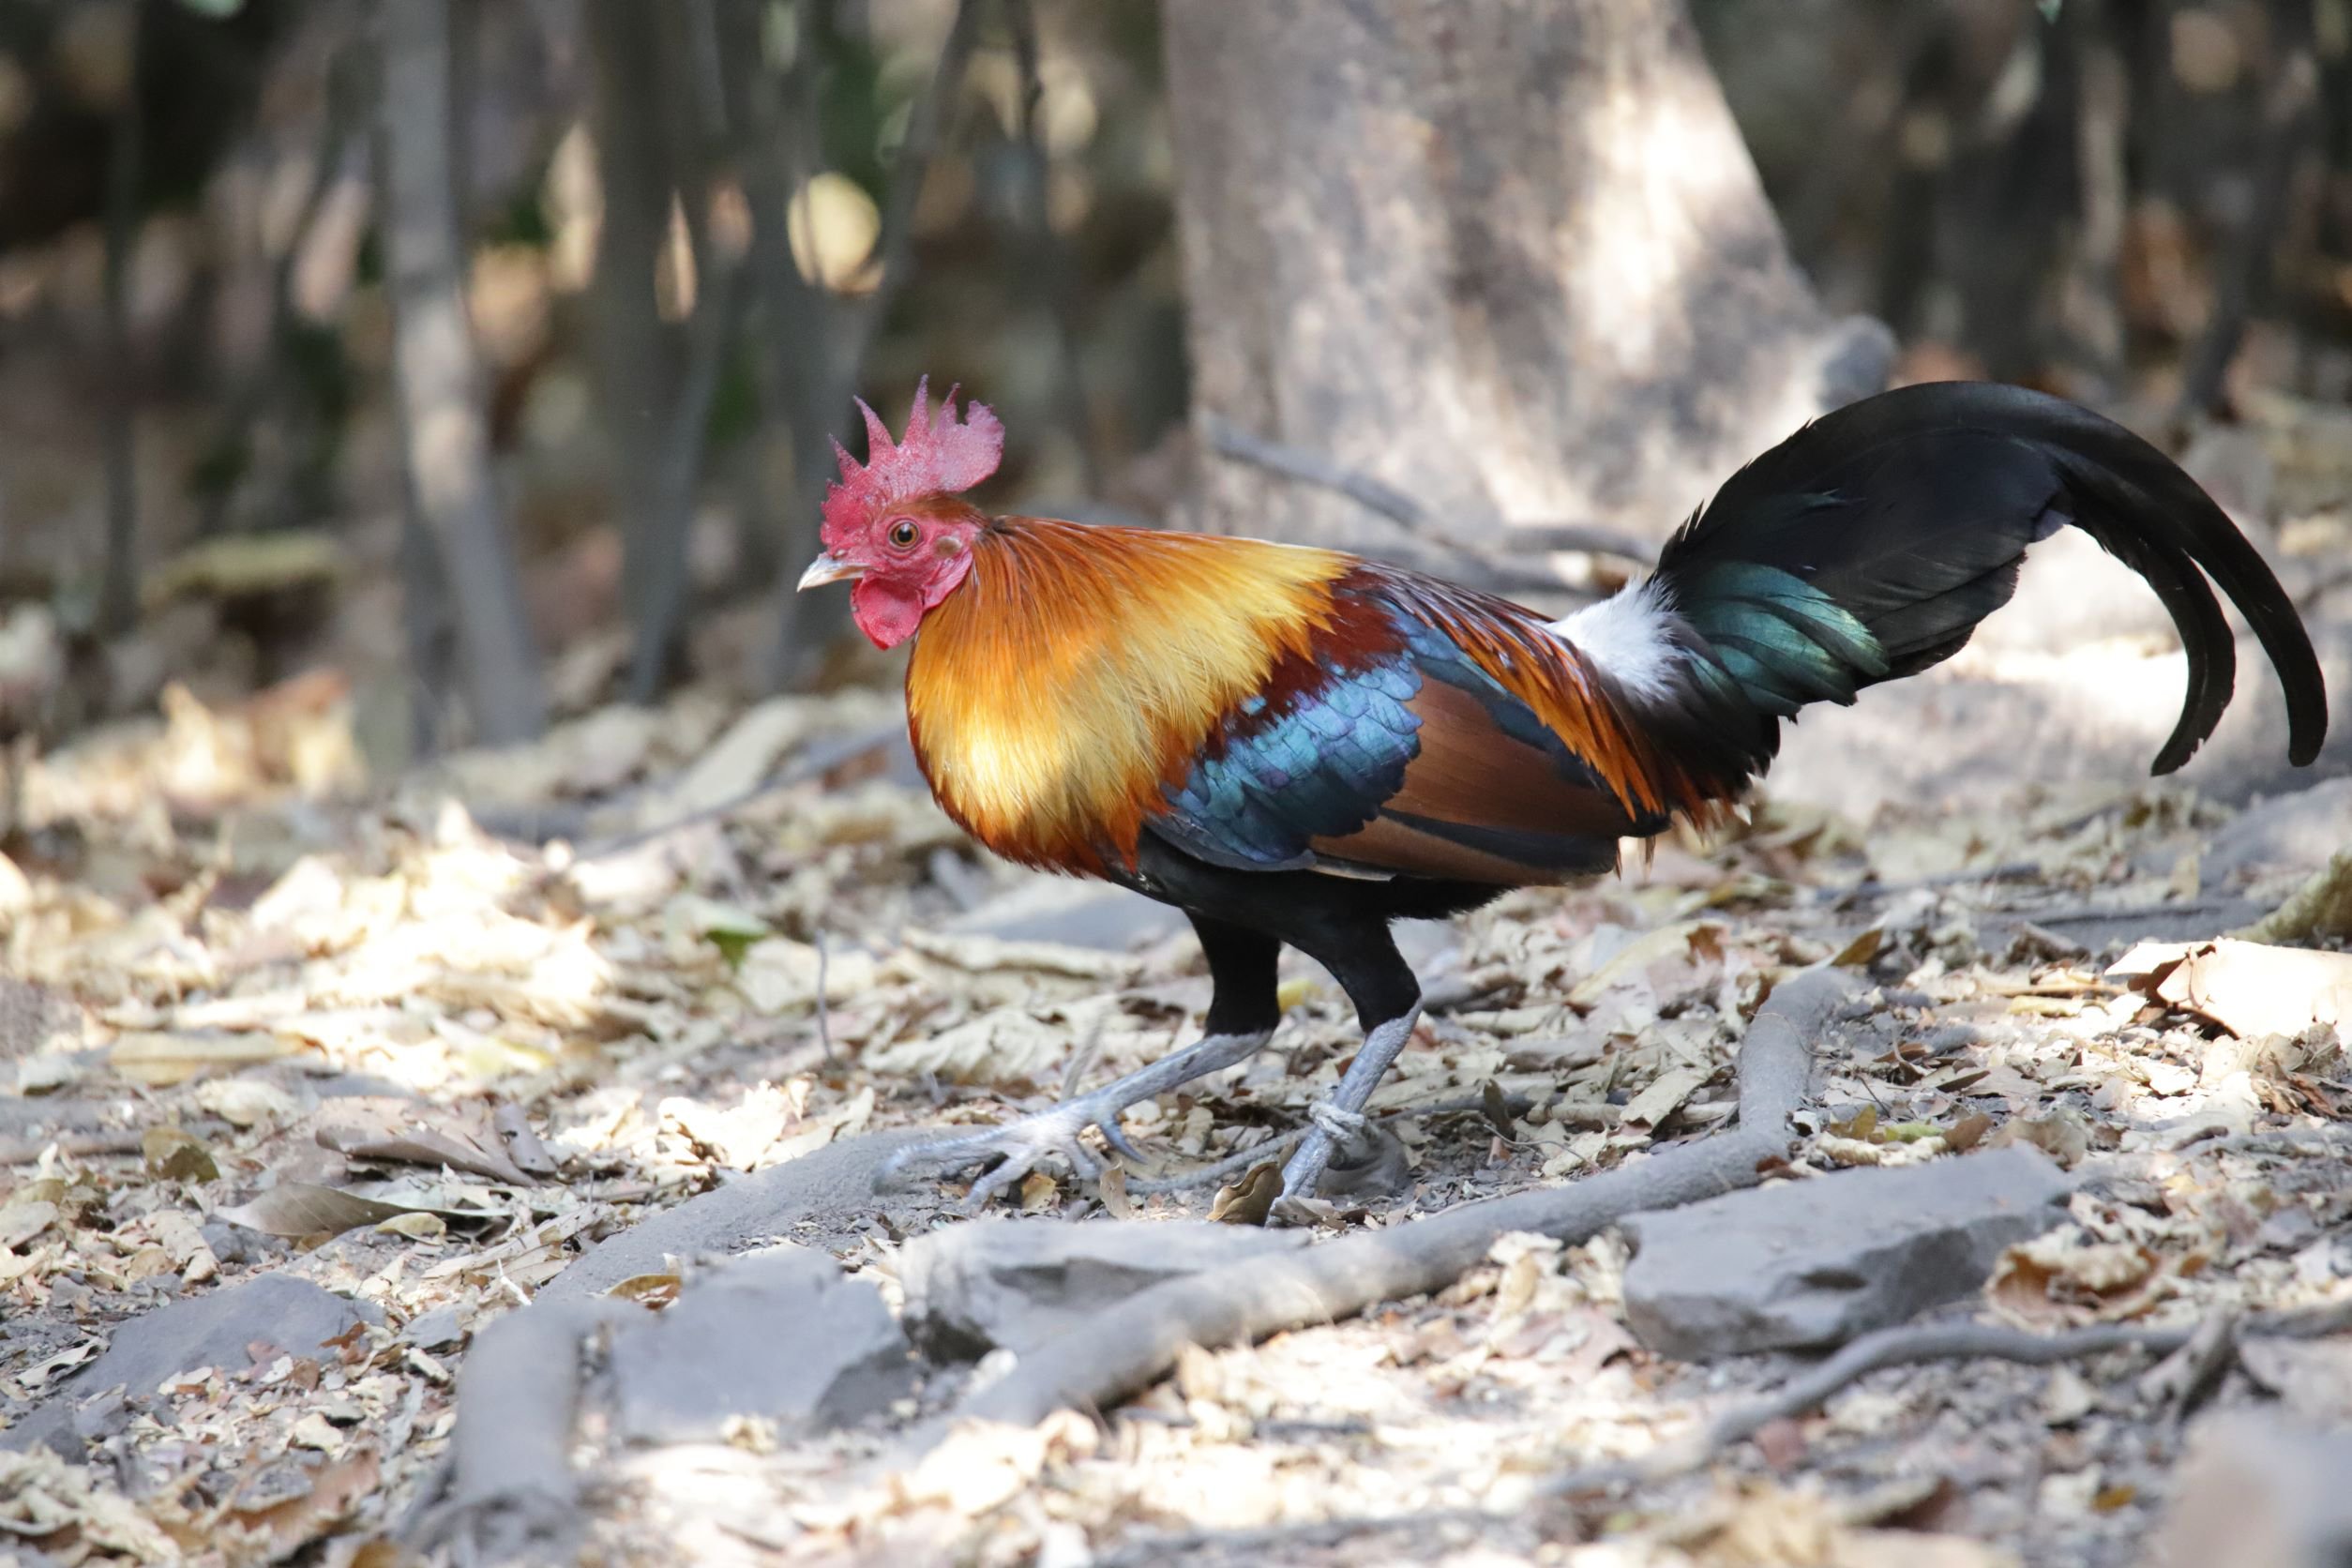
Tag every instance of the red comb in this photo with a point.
(938, 455)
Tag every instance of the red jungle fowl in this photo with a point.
(1298, 746)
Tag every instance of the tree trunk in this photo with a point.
(1511, 258)
(635, 352)
(444, 436)
(118, 603)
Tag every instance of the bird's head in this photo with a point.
(894, 525)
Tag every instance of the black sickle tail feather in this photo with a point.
(1868, 545)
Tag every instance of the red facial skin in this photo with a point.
(910, 556)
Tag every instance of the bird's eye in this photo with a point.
(903, 534)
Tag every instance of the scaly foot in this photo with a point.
(1017, 1146)
(1021, 1144)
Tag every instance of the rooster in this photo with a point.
(1297, 746)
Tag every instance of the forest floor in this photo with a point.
(424, 1058)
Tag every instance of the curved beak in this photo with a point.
(829, 569)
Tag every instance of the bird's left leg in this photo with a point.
(1365, 960)
(1242, 1011)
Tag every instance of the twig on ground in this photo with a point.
(2334, 1138)
(1121, 1350)
(1218, 1172)
(1906, 1345)
(824, 1020)
(2072, 913)
(2188, 1377)
(1903, 1346)
(1871, 887)
(118, 1140)
(1258, 1154)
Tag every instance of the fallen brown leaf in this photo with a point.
(1111, 1188)
(375, 1129)
(285, 1527)
(171, 1154)
(1249, 1200)
(301, 1210)
(2065, 1280)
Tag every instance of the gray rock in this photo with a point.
(1020, 1282)
(2260, 1491)
(2292, 832)
(779, 1333)
(430, 1331)
(230, 1243)
(216, 1329)
(1813, 1263)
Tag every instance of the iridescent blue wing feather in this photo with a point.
(1407, 760)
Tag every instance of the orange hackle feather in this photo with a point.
(1078, 673)
(1078, 670)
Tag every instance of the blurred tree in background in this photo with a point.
(487, 354)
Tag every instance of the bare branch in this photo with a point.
(1376, 495)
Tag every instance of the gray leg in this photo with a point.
(1056, 1131)
(1344, 1110)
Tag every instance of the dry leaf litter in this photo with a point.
(421, 1053)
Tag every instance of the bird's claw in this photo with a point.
(1019, 1146)
(1108, 1127)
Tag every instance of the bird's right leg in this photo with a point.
(1242, 1012)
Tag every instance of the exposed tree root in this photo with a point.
(1131, 1345)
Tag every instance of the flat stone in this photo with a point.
(1813, 1263)
(781, 1335)
(2259, 1491)
(216, 1329)
(1018, 1284)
